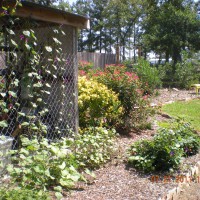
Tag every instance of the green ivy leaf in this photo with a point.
(3, 124)
(39, 99)
(58, 195)
(47, 85)
(37, 85)
(25, 124)
(14, 43)
(56, 41)
(62, 166)
(11, 32)
(26, 33)
(58, 189)
(13, 94)
(48, 48)
(75, 177)
(28, 46)
(3, 94)
(92, 174)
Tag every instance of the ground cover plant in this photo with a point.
(165, 150)
(188, 110)
(41, 166)
(22, 194)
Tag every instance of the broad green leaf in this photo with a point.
(92, 174)
(75, 177)
(10, 31)
(48, 48)
(3, 124)
(56, 41)
(58, 195)
(47, 85)
(26, 33)
(58, 189)
(3, 94)
(21, 114)
(13, 94)
(37, 85)
(14, 43)
(62, 166)
(28, 46)
(25, 124)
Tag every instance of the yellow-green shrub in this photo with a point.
(97, 104)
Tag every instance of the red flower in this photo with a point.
(82, 73)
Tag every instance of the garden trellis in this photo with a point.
(38, 71)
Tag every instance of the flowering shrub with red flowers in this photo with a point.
(149, 75)
(130, 92)
(85, 66)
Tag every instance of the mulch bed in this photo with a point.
(116, 181)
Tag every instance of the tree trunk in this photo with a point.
(167, 56)
(176, 57)
(134, 43)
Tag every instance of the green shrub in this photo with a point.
(186, 74)
(131, 95)
(182, 75)
(40, 165)
(98, 106)
(149, 75)
(165, 150)
(94, 147)
(22, 194)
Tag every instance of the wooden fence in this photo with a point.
(99, 59)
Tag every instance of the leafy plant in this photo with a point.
(185, 74)
(149, 76)
(165, 150)
(131, 95)
(85, 66)
(40, 165)
(22, 194)
(94, 147)
(97, 104)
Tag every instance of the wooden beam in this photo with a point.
(43, 13)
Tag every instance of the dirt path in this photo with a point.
(190, 193)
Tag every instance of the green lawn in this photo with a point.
(189, 111)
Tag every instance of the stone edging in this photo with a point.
(173, 194)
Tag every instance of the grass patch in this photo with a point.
(189, 111)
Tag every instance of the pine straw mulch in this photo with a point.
(116, 181)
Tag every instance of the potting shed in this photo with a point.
(38, 70)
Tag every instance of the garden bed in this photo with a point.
(117, 181)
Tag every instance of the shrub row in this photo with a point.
(132, 106)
